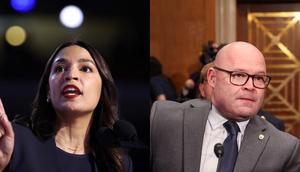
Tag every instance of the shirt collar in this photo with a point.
(216, 120)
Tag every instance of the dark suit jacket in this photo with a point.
(33, 155)
(176, 136)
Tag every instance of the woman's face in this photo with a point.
(74, 82)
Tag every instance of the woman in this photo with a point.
(76, 97)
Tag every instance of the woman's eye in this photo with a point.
(86, 69)
(59, 69)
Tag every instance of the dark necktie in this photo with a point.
(230, 147)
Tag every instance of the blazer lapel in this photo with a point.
(252, 146)
(193, 131)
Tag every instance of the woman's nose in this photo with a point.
(71, 75)
(71, 78)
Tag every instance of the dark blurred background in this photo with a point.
(118, 29)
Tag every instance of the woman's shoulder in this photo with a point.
(28, 149)
(23, 129)
(22, 120)
(21, 123)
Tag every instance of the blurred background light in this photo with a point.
(22, 5)
(15, 35)
(71, 16)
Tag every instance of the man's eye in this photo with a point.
(260, 78)
(239, 75)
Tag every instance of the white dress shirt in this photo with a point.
(215, 133)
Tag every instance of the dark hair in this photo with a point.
(209, 52)
(155, 66)
(105, 114)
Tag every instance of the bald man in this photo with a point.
(183, 136)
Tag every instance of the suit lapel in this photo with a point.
(193, 131)
(252, 146)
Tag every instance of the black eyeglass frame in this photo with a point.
(248, 76)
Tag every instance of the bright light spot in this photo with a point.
(71, 16)
(15, 35)
(297, 16)
(22, 5)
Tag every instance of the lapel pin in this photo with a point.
(261, 136)
(263, 117)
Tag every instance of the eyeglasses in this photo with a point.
(241, 78)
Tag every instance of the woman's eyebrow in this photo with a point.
(60, 60)
(81, 60)
(86, 60)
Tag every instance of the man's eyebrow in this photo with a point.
(256, 73)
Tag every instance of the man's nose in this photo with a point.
(249, 84)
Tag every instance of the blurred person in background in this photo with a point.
(204, 88)
(190, 88)
(160, 85)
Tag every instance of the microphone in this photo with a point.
(105, 137)
(125, 131)
(122, 135)
(219, 152)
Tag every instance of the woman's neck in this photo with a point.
(73, 134)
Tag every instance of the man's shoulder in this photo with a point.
(187, 104)
(276, 134)
(196, 103)
(281, 135)
(173, 112)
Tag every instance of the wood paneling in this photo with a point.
(274, 29)
(178, 29)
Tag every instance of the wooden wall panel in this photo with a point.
(178, 29)
(274, 29)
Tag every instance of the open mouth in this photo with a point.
(71, 91)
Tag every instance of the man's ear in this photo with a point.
(201, 90)
(211, 77)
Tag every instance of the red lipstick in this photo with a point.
(71, 91)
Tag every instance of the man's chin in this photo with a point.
(243, 118)
(245, 114)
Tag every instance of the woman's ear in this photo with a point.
(211, 77)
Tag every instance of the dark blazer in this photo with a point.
(33, 155)
(176, 136)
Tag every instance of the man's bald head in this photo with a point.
(233, 101)
(235, 52)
